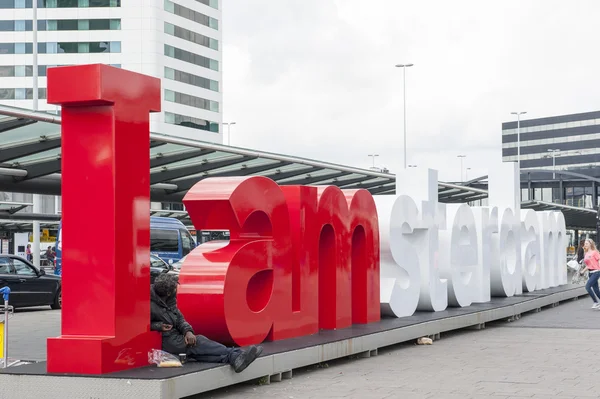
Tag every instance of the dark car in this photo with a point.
(158, 267)
(29, 286)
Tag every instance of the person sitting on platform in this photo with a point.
(178, 336)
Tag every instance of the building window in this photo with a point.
(21, 71)
(7, 94)
(192, 58)
(83, 24)
(7, 26)
(194, 123)
(210, 3)
(191, 79)
(191, 15)
(21, 94)
(64, 47)
(88, 47)
(7, 71)
(192, 101)
(191, 36)
(77, 3)
(21, 25)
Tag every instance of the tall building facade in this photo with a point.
(560, 142)
(178, 41)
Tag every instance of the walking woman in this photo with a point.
(581, 275)
(592, 262)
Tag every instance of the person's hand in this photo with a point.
(190, 338)
(166, 327)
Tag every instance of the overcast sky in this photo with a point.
(316, 78)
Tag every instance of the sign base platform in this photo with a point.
(279, 358)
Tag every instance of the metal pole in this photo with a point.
(5, 343)
(35, 57)
(461, 167)
(373, 157)
(229, 134)
(36, 198)
(404, 84)
(37, 208)
(519, 140)
(518, 114)
(5, 291)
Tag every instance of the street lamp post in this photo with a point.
(412, 166)
(554, 154)
(461, 166)
(519, 135)
(373, 156)
(404, 66)
(228, 124)
(467, 174)
(37, 199)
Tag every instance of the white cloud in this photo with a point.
(315, 78)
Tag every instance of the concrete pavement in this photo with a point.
(551, 354)
(28, 330)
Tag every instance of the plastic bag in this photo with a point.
(163, 359)
(573, 265)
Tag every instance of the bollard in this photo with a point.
(5, 291)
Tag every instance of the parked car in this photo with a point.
(177, 265)
(158, 267)
(29, 286)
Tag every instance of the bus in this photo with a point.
(169, 240)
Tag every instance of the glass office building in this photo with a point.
(178, 41)
(563, 142)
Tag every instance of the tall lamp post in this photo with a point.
(404, 66)
(37, 199)
(373, 156)
(461, 166)
(554, 153)
(518, 114)
(228, 124)
(467, 173)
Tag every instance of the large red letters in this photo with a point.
(105, 181)
(299, 259)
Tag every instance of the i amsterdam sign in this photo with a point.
(299, 259)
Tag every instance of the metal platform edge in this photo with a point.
(41, 387)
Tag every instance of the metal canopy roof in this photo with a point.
(30, 162)
(576, 218)
(16, 226)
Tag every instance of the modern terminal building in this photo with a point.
(178, 41)
(565, 145)
(566, 142)
(559, 158)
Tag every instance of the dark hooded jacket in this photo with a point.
(167, 313)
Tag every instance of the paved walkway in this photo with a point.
(28, 330)
(551, 354)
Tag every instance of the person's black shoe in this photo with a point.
(245, 358)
